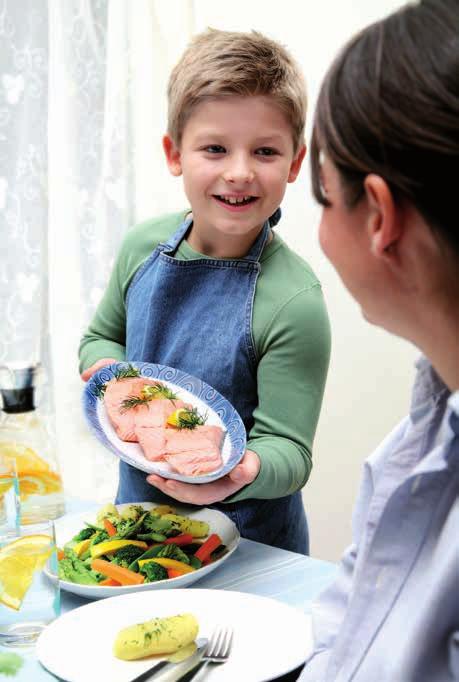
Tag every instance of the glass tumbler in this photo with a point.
(29, 587)
(9, 497)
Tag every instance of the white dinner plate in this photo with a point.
(68, 526)
(206, 399)
(270, 638)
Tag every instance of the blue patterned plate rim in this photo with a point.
(190, 388)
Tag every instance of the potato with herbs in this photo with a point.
(157, 636)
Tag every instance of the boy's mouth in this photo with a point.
(235, 201)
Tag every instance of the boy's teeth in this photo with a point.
(235, 200)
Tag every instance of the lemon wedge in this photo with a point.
(174, 418)
(18, 562)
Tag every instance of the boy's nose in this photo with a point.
(239, 171)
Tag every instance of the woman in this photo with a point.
(385, 167)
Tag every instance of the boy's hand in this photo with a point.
(87, 373)
(208, 493)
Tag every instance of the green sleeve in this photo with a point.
(291, 379)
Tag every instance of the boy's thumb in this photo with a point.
(238, 475)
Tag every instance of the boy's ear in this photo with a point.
(172, 156)
(296, 164)
(384, 224)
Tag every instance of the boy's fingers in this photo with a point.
(195, 494)
(87, 373)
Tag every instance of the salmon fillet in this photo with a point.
(118, 390)
(190, 463)
(189, 452)
(157, 412)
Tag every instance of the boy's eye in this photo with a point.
(215, 149)
(266, 151)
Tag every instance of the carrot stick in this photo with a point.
(60, 554)
(109, 582)
(206, 549)
(123, 575)
(183, 539)
(109, 527)
(174, 573)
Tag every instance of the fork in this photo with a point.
(217, 651)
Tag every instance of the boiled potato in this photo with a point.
(157, 636)
(198, 529)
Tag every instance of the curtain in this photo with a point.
(82, 113)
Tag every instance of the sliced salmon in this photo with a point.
(153, 443)
(188, 451)
(157, 412)
(118, 390)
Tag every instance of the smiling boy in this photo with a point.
(215, 292)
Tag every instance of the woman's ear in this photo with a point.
(296, 164)
(172, 153)
(384, 226)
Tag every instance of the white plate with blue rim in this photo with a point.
(207, 400)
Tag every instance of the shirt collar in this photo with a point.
(428, 388)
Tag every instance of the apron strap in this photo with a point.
(172, 243)
(255, 250)
(259, 244)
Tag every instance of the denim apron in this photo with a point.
(196, 316)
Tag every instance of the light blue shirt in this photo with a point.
(392, 615)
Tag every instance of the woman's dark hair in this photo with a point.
(389, 105)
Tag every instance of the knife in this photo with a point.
(165, 671)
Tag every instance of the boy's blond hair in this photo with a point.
(221, 63)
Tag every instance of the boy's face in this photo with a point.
(236, 157)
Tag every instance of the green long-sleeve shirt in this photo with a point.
(292, 338)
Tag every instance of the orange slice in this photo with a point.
(38, 483)
(26, 458)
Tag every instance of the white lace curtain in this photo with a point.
(82, 112)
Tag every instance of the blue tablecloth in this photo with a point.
(291, 578)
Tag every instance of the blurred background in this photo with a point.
(82, 113)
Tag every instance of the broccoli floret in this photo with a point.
(99, 536)
(84, 534)
(173, 552)
(124, 526)
(154, 523)
(153, 571)
(71, 568)
(126, 555)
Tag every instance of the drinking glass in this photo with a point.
(29, 587)
(9, 497)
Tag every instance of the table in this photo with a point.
(292, 578)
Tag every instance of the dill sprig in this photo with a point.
(158, 391)
(189, 419)
(126, 372)
(122, 373)
(133, 401)
(99, 388)
(148, 393)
